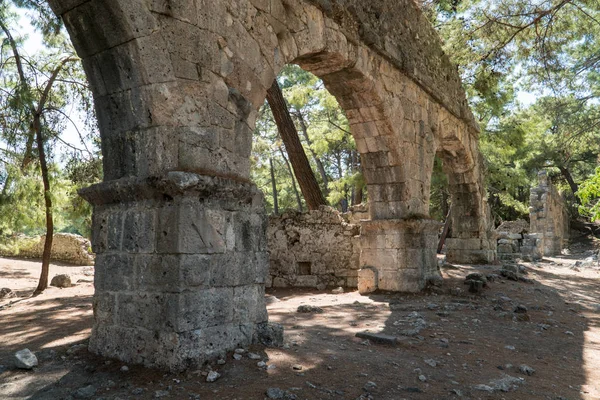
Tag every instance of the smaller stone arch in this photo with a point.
(473, 239)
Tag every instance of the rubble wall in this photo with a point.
(313, 249)
(66, 247)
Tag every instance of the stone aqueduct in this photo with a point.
(178, 228)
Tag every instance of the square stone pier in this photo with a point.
(398, 255)
(180, 269)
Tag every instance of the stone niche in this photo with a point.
(315, 249)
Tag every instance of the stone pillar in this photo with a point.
(473, 239)
(548, 217)
(398, 254)
(180, 269)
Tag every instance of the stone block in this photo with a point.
(114, 272)
(142, 310)
(367, 280)
(379, 338)
(410, 280)
(279, 282)
(306, 281)
(249, 304)
(199, 309)
(139, 234)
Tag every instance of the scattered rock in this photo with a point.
(476, 276)
(221, 361)
(237, 356)
(422, 378)
(338, 290)
(269, 334)
(76, 348)
(309, 309)
(240, 351)
(520, 309)
(61, 281)
(509, 275)
(506, 383)
(25, 359)
(137, 391)
(212, 376)
(527, 370)
(86, 392)
(431, 362)
(254, 356)
(160, 393)
(370, 386)
(275, 393)
(124, 368)
(6, 293)
(261, 364)
(297, 367)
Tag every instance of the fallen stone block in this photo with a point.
(379, 338)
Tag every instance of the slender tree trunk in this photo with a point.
(289, 135)
(318, 161)
(444, 232)
(289, 168)
(43, 282)
(359, 186)
(445, 205)
(567, 175)
(274, 184)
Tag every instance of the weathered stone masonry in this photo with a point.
(548, 217)
(177, 85)
(314, 249)
(547, 232)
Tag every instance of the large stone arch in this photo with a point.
(178, 228)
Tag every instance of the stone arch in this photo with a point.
(178, 229)
(473, 239)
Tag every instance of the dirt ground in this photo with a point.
(451, 344)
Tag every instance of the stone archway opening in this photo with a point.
(323, 130)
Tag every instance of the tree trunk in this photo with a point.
(43, 282)
(444, 232)
(304, 174)
(287, 164)
(274, 184)
(574, 187)
(359, 186)
(318, 161)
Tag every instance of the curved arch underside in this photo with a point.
(178, 228)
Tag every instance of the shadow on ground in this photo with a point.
(451, 345)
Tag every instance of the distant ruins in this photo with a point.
(180, 231)
(546, 234)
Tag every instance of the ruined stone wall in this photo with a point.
(515, 242)
(66, 247)
(314, 249)
(548, 216)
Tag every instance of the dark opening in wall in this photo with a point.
(304, 268)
